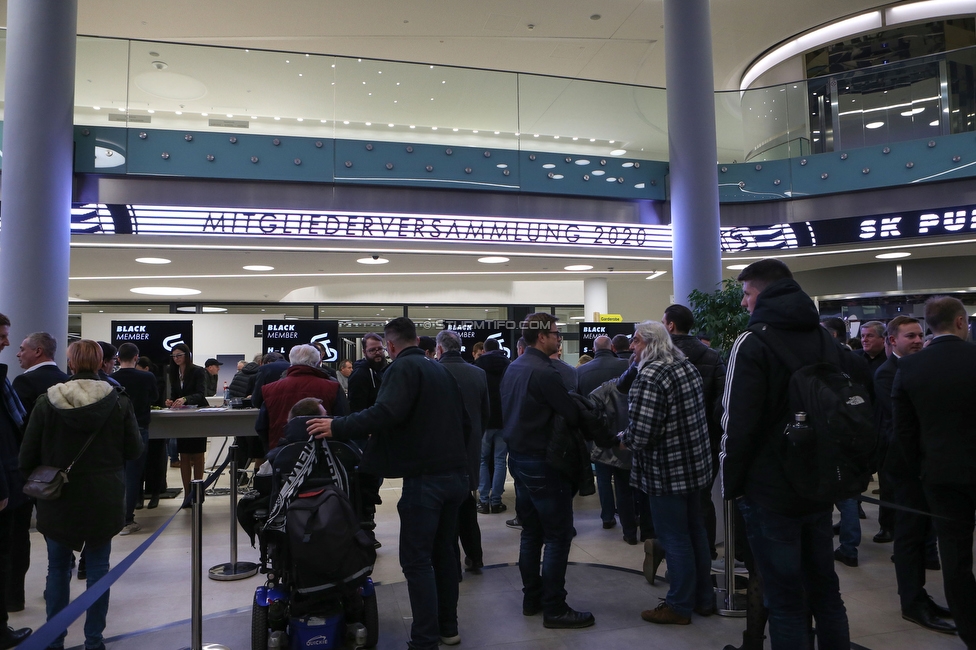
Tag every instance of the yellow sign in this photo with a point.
(611, 318)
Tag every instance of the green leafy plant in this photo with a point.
(720, 314)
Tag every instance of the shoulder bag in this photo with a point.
(45, 482)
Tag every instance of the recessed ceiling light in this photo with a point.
(656, 274)
(152, 260)
(934, 123)
(375, 259)
(165, 291)
(205, 310)
(618, 152)
(578, 267)
(577, 318)
(493, 260)
(874, 125)
(736, 267)
(893, 256)
(258, 267)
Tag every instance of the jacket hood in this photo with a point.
(494, 360)
(83, 403)
(784, 305)
(250, 369)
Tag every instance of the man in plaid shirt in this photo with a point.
(668, 434)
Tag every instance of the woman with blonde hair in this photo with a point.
(88, 424)
(671, 464)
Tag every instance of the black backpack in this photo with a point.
(836, 461)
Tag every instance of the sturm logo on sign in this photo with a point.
(331, 354)
(172, 341)
(498, 336)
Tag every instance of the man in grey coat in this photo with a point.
(474, 390)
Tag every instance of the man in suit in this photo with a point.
(474, 390)
(606, 366)
(935, 431)
(911, 531)
(36, 357)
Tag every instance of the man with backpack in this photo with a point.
(786, 494)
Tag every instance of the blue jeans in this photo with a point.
(616, 496)
(850, 527)
(796, 560)
(58, 588)
(681, 531)
(492, 446)
(174, 456)
(428, 510)
(134, 470)
(544, 504)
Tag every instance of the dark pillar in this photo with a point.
(37, 165)
(693, 152)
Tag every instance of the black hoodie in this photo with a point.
(756, 399)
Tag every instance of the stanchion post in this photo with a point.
(196, 568)
(233, 570)
(730, 603)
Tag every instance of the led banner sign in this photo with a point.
(375, 227)
(506, 332)
(282, 335)
(589, 332)
(154, 338)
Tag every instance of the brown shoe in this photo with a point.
(664, 615)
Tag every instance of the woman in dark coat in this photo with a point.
(91, 508)
(188, 387)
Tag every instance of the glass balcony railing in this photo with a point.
(143, 84)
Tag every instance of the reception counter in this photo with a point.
(202, 423)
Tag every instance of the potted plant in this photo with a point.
(720, 314)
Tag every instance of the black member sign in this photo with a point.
(155, 338)
(282, 335)
(475, 331)
(590, 331)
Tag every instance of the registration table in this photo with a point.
(203, 423)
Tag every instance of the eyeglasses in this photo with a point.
(179, 355)
(373, 350)
(558, 334)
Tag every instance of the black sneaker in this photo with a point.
(513, 523)
(845, 559)
(498, 507)
(483, 508)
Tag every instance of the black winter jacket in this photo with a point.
(91, 508)
(418, 424)
(709, 364)
(242, 384)
(494, 363)
(756, 399)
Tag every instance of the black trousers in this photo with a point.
(20, 518)
(911, 533)
(6, 525)
(156, 460)
(469, 533)
(956, 502)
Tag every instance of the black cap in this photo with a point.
(212, 362)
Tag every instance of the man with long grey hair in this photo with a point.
(668, 434)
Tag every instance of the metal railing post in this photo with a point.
(196, 572)
(731, 602)
(233, 570)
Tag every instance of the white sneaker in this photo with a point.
(719, 566)
(128, 529)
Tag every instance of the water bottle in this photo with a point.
(226, 394)
(799, 433)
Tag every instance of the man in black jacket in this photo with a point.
(606, 366)
(12, 418)
(914, 535)
(679, 320)
(366, 377)
(935, 433)
(789, 534)
(273, 366)
(417, 428)
(532, 395)
(494, 451)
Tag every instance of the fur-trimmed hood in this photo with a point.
(83, 402)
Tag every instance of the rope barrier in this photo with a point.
(47, 633)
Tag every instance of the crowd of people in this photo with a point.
(665, 417)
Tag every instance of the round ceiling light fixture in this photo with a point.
(618, 152)
(152, 260)
(874, 125)
(736, 267)
(373, 259)
(893, 256)
(493, 259)
(165, 291)
(205, 310)
(258, 267)
(578, 267)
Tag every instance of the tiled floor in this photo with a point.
(150, 604)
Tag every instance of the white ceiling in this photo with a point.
(624, 45)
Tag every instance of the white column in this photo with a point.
(594, 296)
